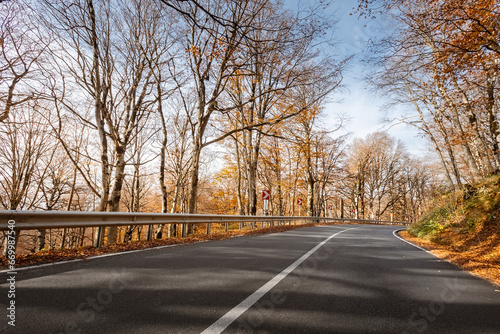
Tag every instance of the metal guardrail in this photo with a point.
(35, 220)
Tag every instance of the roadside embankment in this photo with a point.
(464, 228)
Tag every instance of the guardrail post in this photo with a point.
(226, 227)
(99, 240)
(208, 228)
(183, 230)
(150, 232)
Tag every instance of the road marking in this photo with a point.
(93, 257)
(228, 318)
(394, 233)
(129, 252)
(42, 265)
(425, 250)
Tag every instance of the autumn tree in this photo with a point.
(280, 62)
(387, 160)
(209, 45)
(443, 60)
(309, 137)
(382, 178)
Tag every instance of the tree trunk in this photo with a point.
(455, 119)
(82, 236)
(99, 110)
(429, 133)
(163, 187)
(41, 239)
(193, 189)
(492, 119)
(477, 138)
(252, 188)
(6, 243)
(310, 195)
(68, 208)
(241, 209)
(114, 202)
(279, 194)
(449, 148)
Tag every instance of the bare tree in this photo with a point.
(20, 50)
(107, 50)
(25, 141)
(211, 46)
(281, 59)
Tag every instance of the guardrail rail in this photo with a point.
(38, 220)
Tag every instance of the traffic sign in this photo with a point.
(299, 201)
(330, 207)
(266, 194)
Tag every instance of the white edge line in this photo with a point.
(441, 259)
(130, 252)
(227, 319)
(104, 255)
(93, 257)
(425, 250)
(101, 256)
(409, 243)
(39, 266)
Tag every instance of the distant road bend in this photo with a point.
(324, 279)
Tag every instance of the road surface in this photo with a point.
(325, 279)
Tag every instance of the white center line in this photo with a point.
(228, 318)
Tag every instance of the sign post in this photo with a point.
(299, 203)
(330, 209)
(266, 195)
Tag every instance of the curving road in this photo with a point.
(327, 279)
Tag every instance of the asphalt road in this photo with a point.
(361, 280)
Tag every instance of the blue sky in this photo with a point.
(363, 106)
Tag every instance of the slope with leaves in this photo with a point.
(464, 228)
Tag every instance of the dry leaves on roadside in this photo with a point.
(483, 264)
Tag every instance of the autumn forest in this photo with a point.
(198, 106)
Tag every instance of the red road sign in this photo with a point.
(330, 207)
(299, 201)
(266, 194)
